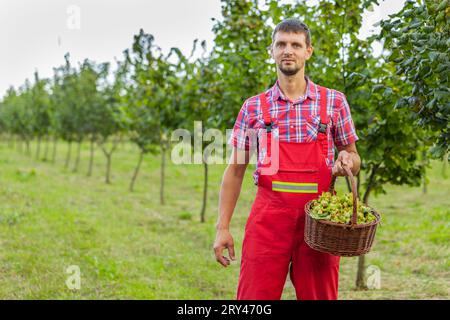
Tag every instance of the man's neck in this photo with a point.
(294, 86)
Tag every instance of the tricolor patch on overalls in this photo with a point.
(294, 187)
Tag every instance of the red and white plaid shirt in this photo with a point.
(297, 121)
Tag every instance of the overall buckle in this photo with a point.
(323, 127)
(269, 127)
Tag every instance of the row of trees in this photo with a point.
(399, 101)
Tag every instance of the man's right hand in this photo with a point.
(224, 240)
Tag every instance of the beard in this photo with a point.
(289, 70)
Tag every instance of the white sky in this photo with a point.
(35, 34)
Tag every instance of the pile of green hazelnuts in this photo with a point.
(339, 209)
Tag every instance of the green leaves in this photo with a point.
(420, 52)
(387, 93)
(443, 5)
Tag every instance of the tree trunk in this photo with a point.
(360, 276)
(46, 148)
(136, 171)
(370, 185)
(27, 142)
(19, 143)
(205, 192)
(163, 167)
(15, 140)
(108, 169)
(108, 156)
(91, 158)
(55, 140)
(77, 160)
(28, 146)
(38, 147)
(69, 152)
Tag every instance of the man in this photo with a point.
(305, 121)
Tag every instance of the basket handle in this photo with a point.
(354, 192)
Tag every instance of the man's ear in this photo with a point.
(310, 51)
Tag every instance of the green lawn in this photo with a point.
(127, 246)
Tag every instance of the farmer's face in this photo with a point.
(290, 52)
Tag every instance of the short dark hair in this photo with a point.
(293, 25)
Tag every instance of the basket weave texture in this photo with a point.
(339, 239)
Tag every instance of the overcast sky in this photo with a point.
(35, 34)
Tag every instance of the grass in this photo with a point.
(128, 246)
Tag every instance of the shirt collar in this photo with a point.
(311, 90)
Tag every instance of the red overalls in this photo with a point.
(274, 233)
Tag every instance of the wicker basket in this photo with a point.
(338, 239)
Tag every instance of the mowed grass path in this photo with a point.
(128, 246)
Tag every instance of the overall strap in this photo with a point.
(323, 110)
(265, 111)
(322, 133)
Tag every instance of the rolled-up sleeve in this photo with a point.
(345, 132)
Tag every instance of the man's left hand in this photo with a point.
(344, 158)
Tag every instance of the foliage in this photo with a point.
(417, 38)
